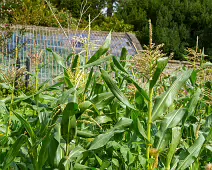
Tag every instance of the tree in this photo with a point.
(93, 7)
(177, 23)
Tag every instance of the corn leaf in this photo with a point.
(103, 119)
(101, 140)
(187, 158)
(68, 123)
(115, 90)
(172, 119)
(167, 98)
(102, 50)
(57, 58)
(140, 90)
(123, 57)
(88, 80)
(67, 79)
(97, 62)
(118, 65)
(176, 136)
(14, 150)
(85, 134)
(122, 123)
(74, 63)
(161, 64)
(193, 103)
(43, 154)
(27, 126)
(54, 149)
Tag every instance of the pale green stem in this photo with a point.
(149, 126)
(36, 77)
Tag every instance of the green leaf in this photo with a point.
(76, 152)
(140, 90)
(102, 50)
(187, 158)
(74, 63)
(142, 161)
(88, 80)
(127, 155)
(6, 86)
(176, 136)
(123, 123)
(115, 90)
(105, 165)
(101, 140)
(99, 160)
(65, 162)
(43, 154)
(193, 103)
(57, 58)
(193, 77)
(130, 157)
(3, 108)
(99, 97)
(68, 123)
(124, 150)
(84, 106)
(138, 127)
(78, 166)
(13, 151)
(97, 62)
(103, 99)
(103, 119)
(27, 126)
(104, 102)
(67, 79)
(161, 64)
(209, 137)
(115, 162)
(167, 98)
(170, 121)
(63, 98)
(118, 65)
(141, 129)
(54, 149)
(85, 134)
(123, 57)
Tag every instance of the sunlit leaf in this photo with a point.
(101, 140)
(161, 64)
(115, 90)
(176, 136)
(102, 50)
(187, 158)
(166, 99)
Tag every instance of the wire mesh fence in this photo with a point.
(29, 44)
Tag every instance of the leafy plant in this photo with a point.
(100, 115)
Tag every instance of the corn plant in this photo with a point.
(109, 119)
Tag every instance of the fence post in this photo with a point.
(28, 70)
